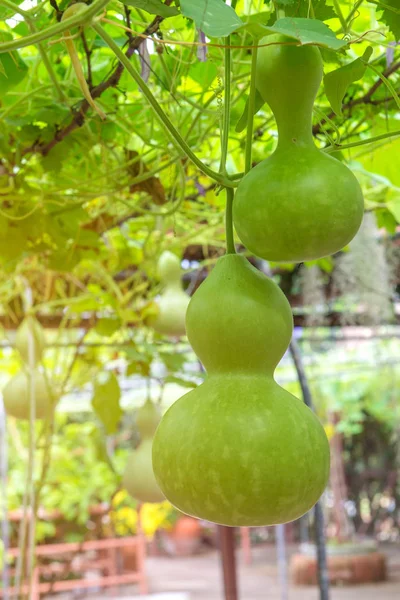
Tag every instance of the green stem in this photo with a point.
(227, 106)
(230, 240)
(176, 136)
(252, 102)
(383, 136)
(80, 18)
(340, 15)
(353, 11)
(386, 83)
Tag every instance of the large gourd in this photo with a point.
(173, 302)
(16, 396)
(299, 204)
(138, 477)
(239, 450)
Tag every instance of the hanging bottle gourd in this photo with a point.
(173, 302)
(239, 450)
(299, 204)
(30, 328)
(17, 394)
(138, 477)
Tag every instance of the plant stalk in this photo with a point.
(250, 115)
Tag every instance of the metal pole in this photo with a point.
(227, 546)
(3, 499)
(282, 562)
(323, 576)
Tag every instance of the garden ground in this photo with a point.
(200, 578)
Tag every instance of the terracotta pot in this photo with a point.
(350, 564)
(183, 539)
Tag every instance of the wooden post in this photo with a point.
(227, 546)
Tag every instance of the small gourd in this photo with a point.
(30, 328)
(239, 450)
(16, 396)
(299, 204)
(173, 302)
(138, 478)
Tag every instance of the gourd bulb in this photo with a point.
(30, 328)
(16, 396)
(173, 302)
(239, 450)
(298, 204)
(138, 478)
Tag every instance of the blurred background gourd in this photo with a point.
(239, 450)
(173, 302)
(299, 204)
(138, 478)
(30, 342)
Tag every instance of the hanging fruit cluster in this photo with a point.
(138, 477)
(239, 450)
(29, 381)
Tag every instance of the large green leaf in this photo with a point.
(305, 31)
(105, 401)
(12, 68)
(336, 82)
(213, 17)
(154, 7)
(391, 15)
(319, 9)
(309, 31)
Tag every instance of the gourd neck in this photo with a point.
(294, 130)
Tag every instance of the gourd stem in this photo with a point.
(227, 106)
(230, 240)
(162, 117)
(250, 114)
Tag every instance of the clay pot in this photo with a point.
(183, 539)
(348, 564)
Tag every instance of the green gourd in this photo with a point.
(299, 204)
(30, 327)
(138, 478)
(173, 302)
(239, 450)
(16, 396)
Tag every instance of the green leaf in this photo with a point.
(213, 17)
(306, 31)
(385, 219)
(105, 401)
(154, 7)
(106, 327)
(242, 123)
(336, 82)
(393, 203)
(391, 16)
(12, 68)
(309, 31)
(302, 8)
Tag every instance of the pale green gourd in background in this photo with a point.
(173, 302)
(16, 396)
(138, 478)
(239, 450)
(299, 204)
(30, 327)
